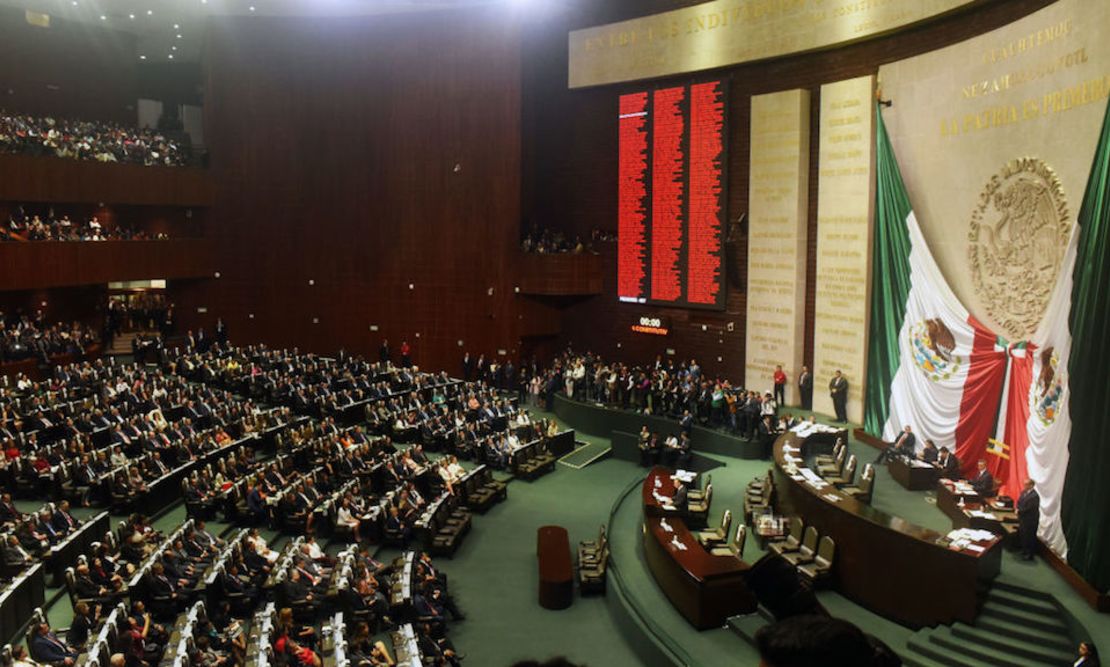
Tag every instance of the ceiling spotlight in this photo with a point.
(150, 12)
(179, 35)
(131, 16)
(251, 8)
(142, 57)
(176, 26)
(171, 56)
(103, 17)
(174, 48)
(74, 3)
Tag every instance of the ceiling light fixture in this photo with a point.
(150, 12)
(142, 57)
(251, 8)
(176, 26)
(171, 56)
(103, 17)
(179, 35)
(131, 16)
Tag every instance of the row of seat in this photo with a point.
(593, 562)
(443, 525)
(839, 469)
(812, 558)
(532, 460)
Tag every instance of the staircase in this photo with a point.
(1016, 626)
(121, 344)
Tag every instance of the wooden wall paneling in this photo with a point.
(334, 143)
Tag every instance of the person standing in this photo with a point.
(1029, 517)
(406, 354)
(780, 385)
(838, 390)
(805, 388)
(383, 352)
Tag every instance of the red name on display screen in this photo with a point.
(671, 196)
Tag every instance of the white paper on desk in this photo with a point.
(832, 496)
(976, 548)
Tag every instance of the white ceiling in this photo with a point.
(170, 30)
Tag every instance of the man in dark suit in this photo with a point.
(680, 500)
(62, 520)
(46, 647)
(903, 446)
(1029, 518)
(948, 463)
(838, 391)
(983, 482)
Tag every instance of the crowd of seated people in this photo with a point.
(678, 390)
(47, 226)
(550, 242)
(27, 537)
(24, 336)
(88, 140)
(104, 432)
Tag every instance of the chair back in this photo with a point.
(726, 522)
(840, 457)
(809, 542)
(849, 474)
(797, 527)
(826, 550)
(739, 540)
(867, 484)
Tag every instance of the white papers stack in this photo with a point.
(685, 475)
(666, 526)
(806, 429)
(678, 545)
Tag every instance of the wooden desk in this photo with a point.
(913, 477)
(949, 501)
(705, 589)
(556, 570)
(892, 567)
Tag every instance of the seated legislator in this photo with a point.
(929, 453)
(948, 463)
(680, 501)
(983, 482)
(903, 446)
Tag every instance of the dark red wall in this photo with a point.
(571, 166)
(67, 70)
(333, 146)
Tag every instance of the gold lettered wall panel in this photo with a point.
(778, 196)
(729, 32)
(844, 213)
(982, 126)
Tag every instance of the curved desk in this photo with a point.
(706, 589)
(894, 568)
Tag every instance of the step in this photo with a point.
(998, 585)
(1051, 624)
(1022, 650)
(1004, 628)
(746, 626)
(1019, 601)
(920, 647)
(986, 654)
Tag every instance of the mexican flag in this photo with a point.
(931, 364)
